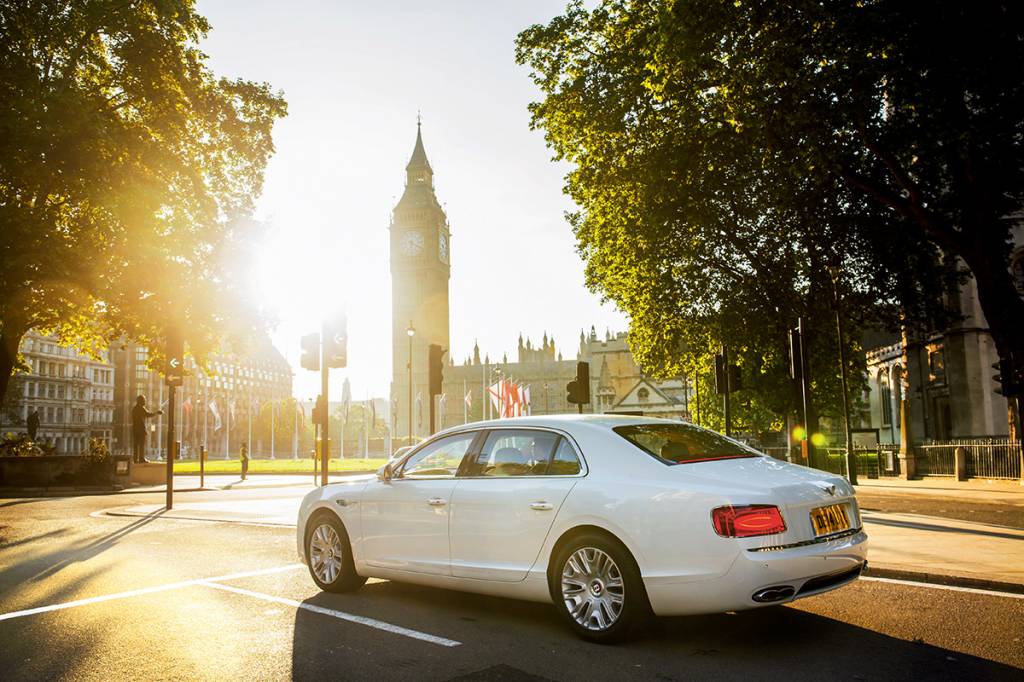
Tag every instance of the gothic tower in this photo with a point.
(420, 268)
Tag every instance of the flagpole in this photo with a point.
(272, 438)
(465, 407)
(248, 413)
(295, 431)
(206, 416)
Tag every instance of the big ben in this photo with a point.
(420, 269)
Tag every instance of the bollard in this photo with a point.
(960, 455)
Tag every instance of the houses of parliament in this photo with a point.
(421, 260)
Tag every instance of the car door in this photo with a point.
(506, 499)
(405, 519)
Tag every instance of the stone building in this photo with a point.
(216, 408)
(73, 392)
(945, 376)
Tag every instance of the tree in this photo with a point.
(726, 154)
(126, 167)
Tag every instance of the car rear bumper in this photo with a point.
(796, 571)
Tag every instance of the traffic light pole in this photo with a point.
(325, 452)
(170, 447)
(805, 392)
(728, 390)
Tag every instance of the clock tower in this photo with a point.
(420, 268)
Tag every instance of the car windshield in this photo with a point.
(683, 443)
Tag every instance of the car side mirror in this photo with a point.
(385, 473)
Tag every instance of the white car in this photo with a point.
(611, 518)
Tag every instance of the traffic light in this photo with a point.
(796, 366)
(336, 342)
(721, 379)
(318, 410)
(1009, 383)
(175, 372)
(436, 368)
(735, 378)
(578, 390)
(310, 352)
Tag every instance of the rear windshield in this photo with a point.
(683, 443)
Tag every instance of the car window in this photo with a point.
(510, 452)
(683, 443)
(440, 459)
(565, 462)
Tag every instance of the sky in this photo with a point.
(355, 75)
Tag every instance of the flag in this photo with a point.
(469, 400)
(419, 409)
(302, 414)
(373, 413)
(496, 400)
(216, 415)
(526, 400)
(231, 409)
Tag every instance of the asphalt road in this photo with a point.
(275, 624)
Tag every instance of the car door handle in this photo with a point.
(542, 506)
(437, 502)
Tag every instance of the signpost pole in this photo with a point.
(170, 446)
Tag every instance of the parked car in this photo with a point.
(610, 518)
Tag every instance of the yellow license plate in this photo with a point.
(830, 519)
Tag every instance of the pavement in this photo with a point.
(927, 548)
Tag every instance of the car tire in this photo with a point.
(597, 589)
(329, 555)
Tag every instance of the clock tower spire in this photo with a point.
(420, 269)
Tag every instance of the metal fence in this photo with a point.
(986, 458)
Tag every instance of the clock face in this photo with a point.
(411, 243)
(442, 248)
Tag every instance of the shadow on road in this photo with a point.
(937, 528)
(97, 546)
(512, 640)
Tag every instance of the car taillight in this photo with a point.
(748, 521)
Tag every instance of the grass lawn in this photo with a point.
(277, 466)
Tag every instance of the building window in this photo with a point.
(885, 398)
(936, 366)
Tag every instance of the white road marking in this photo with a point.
(145, 590)
(362, 620)
(952, 588)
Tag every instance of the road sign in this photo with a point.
(175, 370)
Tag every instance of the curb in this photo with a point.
(9, 493)
(173, 516)
(874, 571)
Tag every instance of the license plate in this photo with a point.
(830, 519)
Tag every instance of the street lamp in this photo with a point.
(411, 331)
(851, 465)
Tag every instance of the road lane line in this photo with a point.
(362, 620)
(952, 588)
(144, 590)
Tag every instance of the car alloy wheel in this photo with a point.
(325, 553)
(329, 554)
(593, 589)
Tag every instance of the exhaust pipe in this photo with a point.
(771, 594)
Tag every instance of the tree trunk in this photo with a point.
(10, 342)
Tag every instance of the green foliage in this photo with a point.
(726, 155)
(19, 445)
(126, 171)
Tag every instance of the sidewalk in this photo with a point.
(978, 490)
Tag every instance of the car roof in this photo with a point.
(607, 421)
